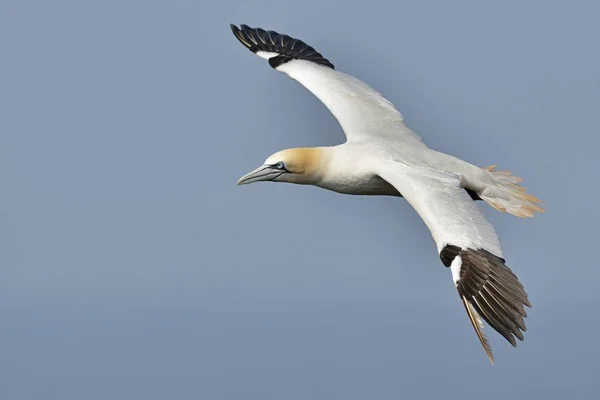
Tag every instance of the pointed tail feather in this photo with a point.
(508, 196)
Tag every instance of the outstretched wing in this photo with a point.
(468, 244)
(361, 111)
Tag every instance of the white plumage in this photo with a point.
(445, 207)
(382, 156)
(362, 112)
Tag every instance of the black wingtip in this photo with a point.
(287, 48)
(243, 37)
(494, 292)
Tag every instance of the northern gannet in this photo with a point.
(382, 156)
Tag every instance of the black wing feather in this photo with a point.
(287, 48)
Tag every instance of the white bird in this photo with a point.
(382, 156)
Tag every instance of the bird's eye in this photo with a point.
(280, 165)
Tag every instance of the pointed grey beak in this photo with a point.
(261, 174)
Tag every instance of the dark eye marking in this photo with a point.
(280, 165)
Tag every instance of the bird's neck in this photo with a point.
(346, 169)
(308, 164)
(320, 166)
(343, 168)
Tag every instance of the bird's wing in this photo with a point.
(468, 244)
(361, 111)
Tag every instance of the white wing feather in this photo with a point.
(445, 207)
(361, 111)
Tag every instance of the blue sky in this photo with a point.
(132, 266)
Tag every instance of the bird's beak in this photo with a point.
(261, 174)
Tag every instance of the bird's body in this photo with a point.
(382, 156)
(349, 168)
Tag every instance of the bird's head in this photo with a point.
(300, 165)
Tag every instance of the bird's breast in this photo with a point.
(368, 184)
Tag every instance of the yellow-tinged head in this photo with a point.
(300, 165)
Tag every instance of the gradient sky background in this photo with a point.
(132, 266)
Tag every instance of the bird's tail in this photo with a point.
(508, 196)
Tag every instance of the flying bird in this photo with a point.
(382, 156)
